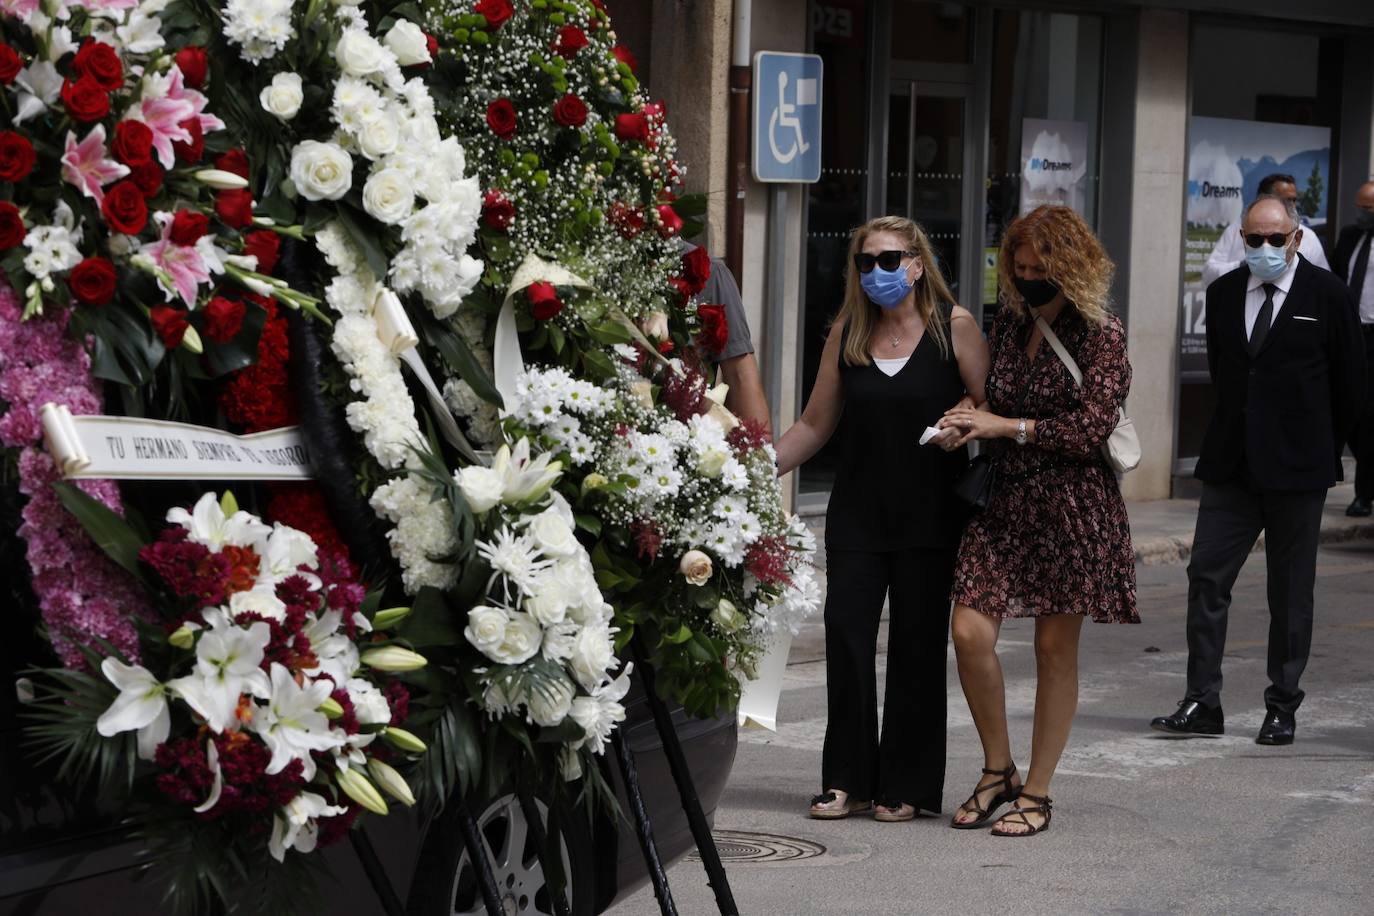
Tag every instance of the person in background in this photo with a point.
(1350, 262)
(738, 367)
(1287, 366)
(1229, 252)
(899, 354)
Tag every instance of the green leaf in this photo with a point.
(610, 333)
(365, 240)
(430, 622)
(679, 636)
(590, 524)
(701, 648)
(598, 365)
(110, 532)
(455, 352)
(691, 205)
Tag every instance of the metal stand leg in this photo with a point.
(687, 790)
(541, 849)
(481, 862)
(641, 816)
(376, 874)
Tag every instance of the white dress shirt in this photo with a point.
(1366, 292)
(1254, 296)
(1229, 253)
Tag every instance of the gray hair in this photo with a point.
(1289, 207)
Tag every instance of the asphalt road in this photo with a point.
(1143, 824)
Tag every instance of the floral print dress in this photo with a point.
(1054, 538)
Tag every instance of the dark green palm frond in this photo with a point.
(62, 720)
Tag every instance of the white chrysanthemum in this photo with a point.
(260, 28)
(599, 713)
(515, 556)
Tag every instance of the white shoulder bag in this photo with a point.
(1122, 448)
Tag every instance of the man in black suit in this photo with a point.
(1287, 367)
(1351, 263)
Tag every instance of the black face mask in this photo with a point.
(1035, 292)
(1364, 220)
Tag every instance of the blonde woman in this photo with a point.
(1054, 542)
(899, 355)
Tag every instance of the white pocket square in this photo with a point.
(1303, 318)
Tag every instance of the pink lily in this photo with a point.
(172, 85)
(184, 265)
(84, 164)
(163, 117)
(20, 9)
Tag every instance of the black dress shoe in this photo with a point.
(1359, 507)
(1192, 719)
(1278, 728)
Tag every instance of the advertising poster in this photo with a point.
(1226, 161)
(1054, 161)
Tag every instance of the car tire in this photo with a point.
(446, 883)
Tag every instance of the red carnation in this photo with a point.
(170, 324)
(124, 208)
(498, 210)
(669, 223)
(10, 64)
(501, 118)
(235, 161)
(570, 111)
(12, 229)
(16, 156)
(623, 55)
(632, 127)
(235, 208)
(223, 319)
(85, 99)
(132, 143)
(715, 329)
(696, 268)
(190, 151)
(193, 64)
(147, 177)
(100, 62)
(569, 41)
(629, 221)
(265, 245)
(495, 11)
(543, 299)
(92, 282)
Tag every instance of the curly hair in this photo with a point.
(1074, 261)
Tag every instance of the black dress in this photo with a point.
(891, 531)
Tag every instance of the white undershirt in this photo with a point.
(890, 367)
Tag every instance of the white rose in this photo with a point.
(696, 567)
(592, 654)
(486, 628)
(261, 601)
(408, 43)
(482, 487)
(282, 98)
(379, 137)
(387, 196)
(547, 605)
(553, 534)
(712, 462)
(727, 616)
(321, 171)
(369, 704)
(359, 54)
(521, 642)
(549, 705)
(654, 325)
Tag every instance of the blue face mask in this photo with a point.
(1266, 262)
(887, 288)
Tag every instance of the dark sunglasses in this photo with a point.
(887, 260)
(1278, 239)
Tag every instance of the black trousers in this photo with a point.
(1362, 437)
(908, 763)
(1229, 520)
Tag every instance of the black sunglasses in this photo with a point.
(1278, 239)
(887, 260)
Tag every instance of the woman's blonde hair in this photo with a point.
(862, 315)
(1074, 260)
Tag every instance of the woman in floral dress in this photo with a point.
(1054, 542)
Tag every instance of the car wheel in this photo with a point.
(446, 882)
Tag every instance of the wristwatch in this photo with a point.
(1021, 431)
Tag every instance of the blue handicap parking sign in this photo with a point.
(787, 117)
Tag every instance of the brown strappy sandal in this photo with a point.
(1043, 805)
(1007, 793)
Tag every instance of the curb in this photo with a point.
(1165, 550)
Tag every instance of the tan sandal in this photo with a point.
(892, 814)
(835, 805)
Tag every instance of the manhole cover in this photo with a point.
(741, 846)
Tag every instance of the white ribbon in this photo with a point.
(508, 363)
(758, 699)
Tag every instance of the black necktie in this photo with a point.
(1263, 320)
(1357, 272)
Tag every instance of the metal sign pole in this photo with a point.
(775, 302)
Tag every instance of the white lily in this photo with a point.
(337, 654)
(295, 826)
(206, 524)
(292, 725)
(217, 788)
(141, 705)
(523, 479)
(40, 85)
(285, 550)
(228, 664)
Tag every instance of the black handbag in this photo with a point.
(974, 486)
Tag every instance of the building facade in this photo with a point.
(961, 114)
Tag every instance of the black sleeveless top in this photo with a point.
(891, 492)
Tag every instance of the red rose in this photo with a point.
(501, 118)
(16, 156)
(570, 111)
(265, 245)
(715, 329)
(496, 11)
(543, 299)
(10, 64)
(498, 210)
(632, 127)
(623, 55)
(147, 176)
(235, 208)
(100, 62)
(223, 318)
(170, 325)
(188, 226)
(696, 268)
(193, 64)
(190, 151)
(124, 208)
(236, 161)
(12, 229)
(132, 143)
(669, 223)
(86, 101)
(92, 282)
(684, 290)
(431, 45)
(570, 40)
